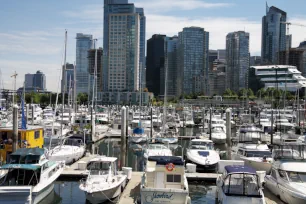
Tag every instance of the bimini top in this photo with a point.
(20, 166)
(29, 151)
(138, 131)
(163, 160)
(239, 169)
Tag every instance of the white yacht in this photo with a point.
(189, 120)
(239, 184)
(257, 156)
(57, 132)
(104, 182)
(157, 150)
(70, 150)
(29, 177)
(164, 181)
(115, 130)
(157, 122)
(201, 152)
(218, 134)
(287, 179)
(102, 118)
(139, 135)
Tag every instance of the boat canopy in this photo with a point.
(29, 151)
(239, 169)
(163, 160)
(20, 166)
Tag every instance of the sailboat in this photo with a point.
(70, 149)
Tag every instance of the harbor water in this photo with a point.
(68, 192)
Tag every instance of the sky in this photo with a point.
(32, 31)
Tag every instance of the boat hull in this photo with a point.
(23, 195)
(102, 196)
(157, 196)
(135, 139)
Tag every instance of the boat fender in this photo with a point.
(188, 200)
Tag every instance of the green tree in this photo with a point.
(82, 98)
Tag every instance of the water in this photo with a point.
(68, 192)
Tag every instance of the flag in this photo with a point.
(23, 121)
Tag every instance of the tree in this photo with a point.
(227, 92)
(82, 98)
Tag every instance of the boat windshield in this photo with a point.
(295, 152)
(241, 184)
(157, 147)
(258, 154)
(297, 177)
(217, 130)
(202, 145)
(98, 168)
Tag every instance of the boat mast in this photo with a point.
(64, 83)
(165, 92)
(74, 89)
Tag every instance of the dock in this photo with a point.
(131, 193)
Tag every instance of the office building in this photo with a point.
(193, 47)
(132, 22)
(28, 80)
(154, 62)
(91, 68)
(84, 42)
(283, 77)
(295, 57)
(237, 60)
(170, 66)
(69, 78)
(217, 78)
(255, 60)
(124, 98)
(39, 81)
(274, 37)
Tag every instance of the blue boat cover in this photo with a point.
(203, 153)
(239, 169)
(138, 131)
(29, 151)
(20, 166)
(163, 160)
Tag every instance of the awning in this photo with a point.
(20, 166)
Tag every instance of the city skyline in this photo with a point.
(37, 43)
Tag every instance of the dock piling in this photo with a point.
(123, 136)
(15, 127)
(228, 133)
(32, 112)
(27, 114)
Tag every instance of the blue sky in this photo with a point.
(32, 31)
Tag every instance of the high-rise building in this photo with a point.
(84, 42)
(154, 62)
(237, 59)
(193, 46)
(132, 30)
(295, 57)
(221, 55)
(91, 67)
(170, 65)
(39, 81)
(274, 37)
(255, 60)
(123, 52)
(69, 78)
(28, 80)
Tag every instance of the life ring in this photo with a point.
(170, 166)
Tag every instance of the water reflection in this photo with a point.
(202, 193)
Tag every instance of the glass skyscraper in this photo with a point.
(193, 46)
(84, 42)
(135, 17)
(273, 35)
(238, 60)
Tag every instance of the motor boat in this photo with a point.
(29, 177)
(157, 150)
(59, 130)
(218, 134)
(239, 184)
(287, 179)
(257, 156)
(115, 130)
(70, 149)
(251, 133)
(104, 182)
(201, 152)
(168, 137)
(189, 122)
(138, 136)
(164, 181)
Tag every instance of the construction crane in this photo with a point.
(289, 23)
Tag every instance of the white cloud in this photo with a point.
(298, 30)
(163, 6)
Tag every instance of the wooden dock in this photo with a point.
(131, 193)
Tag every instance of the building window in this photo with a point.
(173, 178)
(36, 135)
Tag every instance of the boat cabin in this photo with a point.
(102, 166)
(31, 137)
(27, 167)
(239, 181)
(165, 172)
